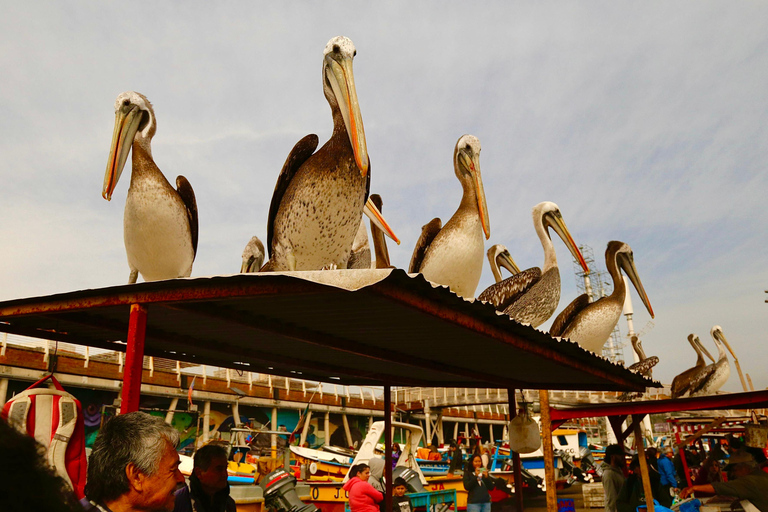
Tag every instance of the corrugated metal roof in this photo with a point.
(365, 327)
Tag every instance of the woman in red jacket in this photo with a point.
(362, 496)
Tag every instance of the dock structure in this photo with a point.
(370, 328)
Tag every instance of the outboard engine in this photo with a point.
(410, 476)
(280, 493)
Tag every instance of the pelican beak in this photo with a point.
(556, 222)
(471, 162)
(719, 335)
(127, 119)
(377, 218)
(342, 81)
(627, 263)
(506, 261)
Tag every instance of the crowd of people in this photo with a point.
(746, 476)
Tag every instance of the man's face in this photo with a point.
(214, 478)
(157, 491)
(399, 490)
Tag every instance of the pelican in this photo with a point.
(715, 375)
(360, 256)
(253, 256)
(452, 255)
(645, 365)
(532, 295)
(681, 384)
(498, 256)
(320, 197)
(590, 324)
(160, 222)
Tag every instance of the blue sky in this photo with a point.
(644, 121)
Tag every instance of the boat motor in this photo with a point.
(410, 476)
(280, 495)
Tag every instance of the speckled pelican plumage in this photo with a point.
(681, 384)
(452, 255)
(160, 222)
(591, 324)
(320, 197)
(713, 376)
(253, 256)
(532, 295)
(498, 256)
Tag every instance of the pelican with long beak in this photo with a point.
(645, 364)
(591, 323)
(714, 376)
(532, 296)
(160, 222)
(452, 255)
(681, 384)
(498, 256)
(320, 197)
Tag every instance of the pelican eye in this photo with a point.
(354, 53)
(126, 102)
(336, 48)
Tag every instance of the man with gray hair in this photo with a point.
(133, 466)
(746, 481)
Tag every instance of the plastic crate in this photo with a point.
(425, 499)
(594, 495)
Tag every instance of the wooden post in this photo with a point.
(273, 437)
(346, 430)
(134, 359)
(640, 447)
(171, 410)
(388, 446)
(516, 465)
(305, 430)
(549, 454)
(327, 429)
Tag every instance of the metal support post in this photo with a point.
(134, 359)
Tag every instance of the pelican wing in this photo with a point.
(428, 233)
(502, 294)
(298, 155)
(188, 198)
(681, 384)
(700, 379)
(644, 366)
(567, 315)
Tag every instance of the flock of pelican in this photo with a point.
(316, 222)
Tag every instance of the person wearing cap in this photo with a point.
(746, 482)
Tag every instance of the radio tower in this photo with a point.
(596, 285)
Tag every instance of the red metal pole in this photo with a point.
(388, 446)
(516, 466)
(681, 452)
(134, 359)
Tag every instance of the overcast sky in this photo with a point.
(644, 121)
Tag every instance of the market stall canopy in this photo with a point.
(352, 327)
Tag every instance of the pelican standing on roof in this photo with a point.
(714, 376)
(319, 198)
(681, 384)
(498, 256)
(452, 255)
(591, 323)
(532, 295)
(253, 256)
(160, 222)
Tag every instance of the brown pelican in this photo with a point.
(681, 384)
(532, 295)
(319, 198)
(646, 364)
(452, 255)
(253, 256)
(498, 256)
(715, 375)
(590, 324)
(643, 367)
(360, 256)
(160, 222)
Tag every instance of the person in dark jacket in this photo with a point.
(456, 458)
(477, 483)
(208, 489)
